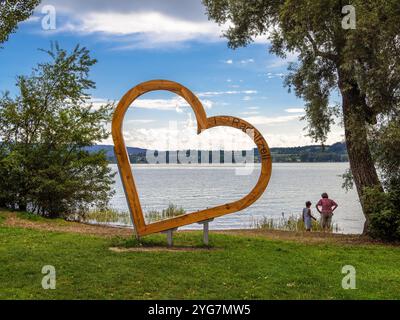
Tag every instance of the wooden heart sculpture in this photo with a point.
(203, 123)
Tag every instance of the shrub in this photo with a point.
(45, 130)
(383, 212)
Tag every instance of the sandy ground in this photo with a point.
(106, 231)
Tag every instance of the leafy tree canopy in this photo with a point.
(44, 131)
(13, 12)
(330, 57)
(362, 63)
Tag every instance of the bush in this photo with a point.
(385, 225)
(45, 131)
(383, 212)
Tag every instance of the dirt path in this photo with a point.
(66, 226)
(13, 220)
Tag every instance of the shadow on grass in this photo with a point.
(181, 240)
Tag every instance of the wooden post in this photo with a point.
(170, 241)
(205, 224)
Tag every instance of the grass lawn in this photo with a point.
(236, 267)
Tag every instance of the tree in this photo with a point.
(13, 12)
(386, 151)
(45, 130)
(363, 64)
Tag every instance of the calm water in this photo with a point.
(198, 187)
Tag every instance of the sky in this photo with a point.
(136, 41)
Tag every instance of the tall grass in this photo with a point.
(122, 217)
(107, 216)
(170, 212)
(291, 223)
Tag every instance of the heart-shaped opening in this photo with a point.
(214, 176)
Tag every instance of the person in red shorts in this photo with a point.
(327, 207)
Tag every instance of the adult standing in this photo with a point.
(327, 207)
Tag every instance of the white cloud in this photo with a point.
(140, 24)
(243, 61)
(279, 63)
(248, 113)
(137, 24)
(279, 131)
(250, 91)
(271, 75)
(133, 121)
(295, 110)
(257, 120)
(96, 103)
(246, 61)
(219, 93)
(150, 28)
(183, 136)
(175, 103)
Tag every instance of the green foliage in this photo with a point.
(13, 12)
(386, 150)
(330, 57)
(384, 213)
(292, 223)
(107, 215)
(384, 205)
(44, 132)
(170, 212)
(348, 182)
(363, 64)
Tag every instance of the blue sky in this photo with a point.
(135, 41)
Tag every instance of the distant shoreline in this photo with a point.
(335, 153)
(222, 164)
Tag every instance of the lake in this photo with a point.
(196, 187)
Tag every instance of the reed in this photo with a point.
(290, 223)
(171, 211)
(107, 216)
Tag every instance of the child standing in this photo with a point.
(307, 216)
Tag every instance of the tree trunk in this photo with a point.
(361, 162)
(22, 206)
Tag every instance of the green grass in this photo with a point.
(237, 267)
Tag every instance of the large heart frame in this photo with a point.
(203, 123)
